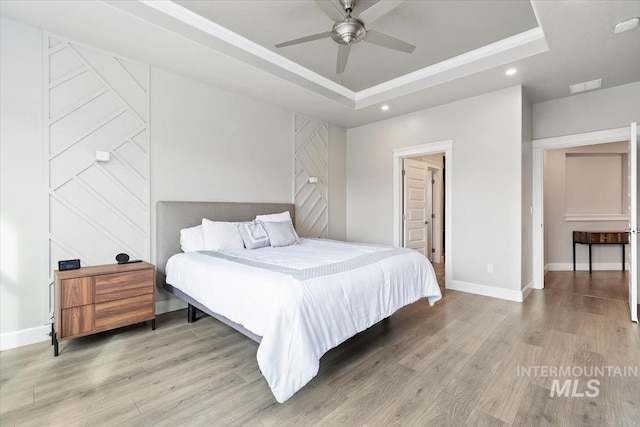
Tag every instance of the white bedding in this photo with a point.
(303, 299)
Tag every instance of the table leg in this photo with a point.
(574, 256)
(589, 258)
(623, 257)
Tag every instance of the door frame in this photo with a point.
(539, 146)
(446, 147)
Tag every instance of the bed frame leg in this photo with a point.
(191, 313)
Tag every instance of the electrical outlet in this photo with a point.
(489, 268)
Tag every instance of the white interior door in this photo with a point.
(429, 215)
(415, 183)
(633, 223)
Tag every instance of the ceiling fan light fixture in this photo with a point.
(349, 31)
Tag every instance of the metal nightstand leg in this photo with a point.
(54, 341)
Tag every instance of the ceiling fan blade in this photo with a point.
(343, 56)
(380, 39)
(378, 10)
(331, 10)
(313, 37)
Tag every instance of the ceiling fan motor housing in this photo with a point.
(349, 31)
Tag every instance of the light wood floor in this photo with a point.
(451, 365)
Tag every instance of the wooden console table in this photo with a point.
(599, 238)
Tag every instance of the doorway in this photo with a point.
(423, 205)
(628, 134)
(444, 149)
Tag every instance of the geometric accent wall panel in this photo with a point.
(311, 140)
(96, 101)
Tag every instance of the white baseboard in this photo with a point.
(15, 339)
(546, 268)
(584, 266)
(527, 290)
(37, 334)
(489, 291)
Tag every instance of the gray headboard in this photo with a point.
(171, 217)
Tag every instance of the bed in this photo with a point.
(296, 301)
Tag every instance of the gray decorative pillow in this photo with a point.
(253, 234)
(280, 233)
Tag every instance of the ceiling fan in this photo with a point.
(347, 30)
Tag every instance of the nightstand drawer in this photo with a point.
(76, 321)
(124, 312)
(77, 292)
(110, 287)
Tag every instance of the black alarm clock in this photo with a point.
(69, 264)
(122, 258)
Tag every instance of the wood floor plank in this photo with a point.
(508, 382)
(423, 388)
(451, 364)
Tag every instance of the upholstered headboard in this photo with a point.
(171, 217)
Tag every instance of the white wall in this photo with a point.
(23, 288)
(486, 132)
(527, 193)
(337, 183)
(559, 232)
(205, 144)
(602, 109)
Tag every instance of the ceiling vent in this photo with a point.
(585, 86)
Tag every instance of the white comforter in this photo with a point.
(304, 299)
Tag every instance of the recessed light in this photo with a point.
(385, 107)
(627, 25)
(511, 71)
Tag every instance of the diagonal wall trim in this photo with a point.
(126, 163)
(130, 75)
(57, 48)
(79, 104)
(105, 121)
(117, 182)
(311, 139)
(87, 187)
(66, 78)
(67, 247)
(97, 75)
(105, 232)
(88, 201)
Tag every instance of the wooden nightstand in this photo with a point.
(95, 299)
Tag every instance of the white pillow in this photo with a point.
(279, 217)
(284, 216)
(221, 236)
(191, 239)
(280, 233)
